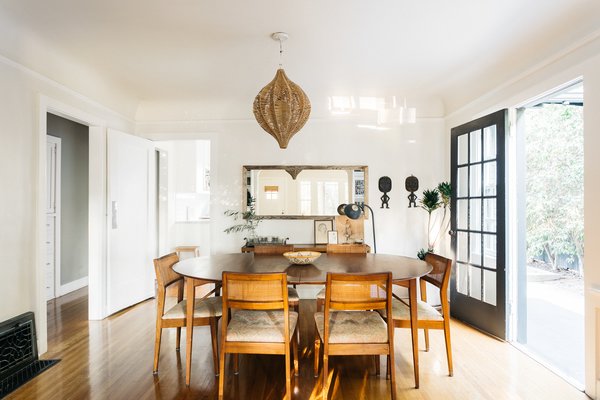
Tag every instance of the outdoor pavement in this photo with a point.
(555, 324)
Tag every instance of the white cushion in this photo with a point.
(425, 311)
(293, 296)
(259, 326)
(353, 327)
(209, 307)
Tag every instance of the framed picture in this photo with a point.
(322, 226)
(332, 237)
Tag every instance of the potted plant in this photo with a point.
(249, 224)
(432, 200)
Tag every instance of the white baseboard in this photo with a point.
(72, 286)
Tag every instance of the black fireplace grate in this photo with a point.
(18, 353)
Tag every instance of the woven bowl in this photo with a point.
(301, 257)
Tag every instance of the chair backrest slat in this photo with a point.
(440, 275)
(255, 291)
(347, 249)
(163, 267)
(357, 291)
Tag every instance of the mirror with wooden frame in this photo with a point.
(303, 191)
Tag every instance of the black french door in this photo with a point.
(478, 285)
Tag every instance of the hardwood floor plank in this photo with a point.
(112, 359)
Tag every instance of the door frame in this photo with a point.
(97, 211)
(516, 165)
(57, 214)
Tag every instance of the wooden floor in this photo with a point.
(112, 359)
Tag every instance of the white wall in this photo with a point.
(19, 173)
(400, 230)
(583, 59)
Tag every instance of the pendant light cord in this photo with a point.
(280, 54)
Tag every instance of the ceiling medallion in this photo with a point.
(281, 108)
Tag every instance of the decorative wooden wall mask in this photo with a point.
(412, 185)
(385, 186)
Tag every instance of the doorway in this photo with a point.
(66, 206)
(184, 196)
(67, 214)
(549, 320)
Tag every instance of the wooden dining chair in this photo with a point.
(207, 310)
(340, 249)
(348, 248)
(350, 323)
(279, 249)
(257, 320)
(429, 317)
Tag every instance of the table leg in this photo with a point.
(189, 327)
(412, 289)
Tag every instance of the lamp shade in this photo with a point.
(353, 211)
(281, 108)
(340, 209)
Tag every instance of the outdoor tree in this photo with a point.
(554, 151)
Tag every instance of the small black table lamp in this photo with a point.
(354, 211)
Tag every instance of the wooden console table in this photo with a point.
(321, 248)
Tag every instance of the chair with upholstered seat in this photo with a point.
(257, 320)
(207, 310)
(350, 323)
(279, 249)
(429, 317)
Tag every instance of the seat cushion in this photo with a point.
(209, 307)
(259, 326)
(293, 296)
(425, 311)
(353, 327)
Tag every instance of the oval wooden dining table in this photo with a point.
(405, 270)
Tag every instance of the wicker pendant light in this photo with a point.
(281, 108)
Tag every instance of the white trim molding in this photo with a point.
(72, 286)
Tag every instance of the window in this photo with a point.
(305, 198)
(332, 197)
(271, 192)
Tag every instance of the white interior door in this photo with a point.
(131, 228)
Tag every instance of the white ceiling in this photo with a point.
(183, 50)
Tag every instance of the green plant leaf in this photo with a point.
(430, 200)
(445, 191)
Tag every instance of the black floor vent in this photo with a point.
(18, 353)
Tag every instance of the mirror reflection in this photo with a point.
(303, 191)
